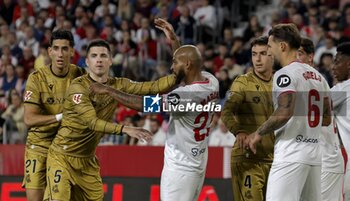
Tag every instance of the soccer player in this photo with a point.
(185, 154)
(301, 108)
(72, 168)
(332, 170)
(306, 51)
(248, 107)
(341, 103)
(43, 103)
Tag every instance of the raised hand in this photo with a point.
(98, 88)
(139, 133)
(166, 27)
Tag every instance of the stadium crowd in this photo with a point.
(140, 52)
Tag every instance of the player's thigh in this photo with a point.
(249, 180)
(87, 181)
(176, 186)
(312, 186)
(331, 186)
(286, 181)
(58, 178)
(347, 182)
(34, 171)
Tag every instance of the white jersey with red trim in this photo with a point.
(341, 104)
(299, 139)
(186, 147)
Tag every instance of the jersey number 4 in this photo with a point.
(203, 126)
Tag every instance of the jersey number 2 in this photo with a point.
(197, 131)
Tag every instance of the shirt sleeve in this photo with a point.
(162, 85)
(79, 97)
(338, 96)
(283, 82)
(237, 95)
(32, 93)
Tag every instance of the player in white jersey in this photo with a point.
(341, 103)
(300, 100)
(332, 170)
(186, 148)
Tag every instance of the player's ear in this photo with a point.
(49, 51)
(283, 46)
(71, 52)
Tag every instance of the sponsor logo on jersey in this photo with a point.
(256, 99)
(283, 81)
(27, 96)
(174, 99)
(301, 138)
(50, 100)
(77, 98)
(197, 152)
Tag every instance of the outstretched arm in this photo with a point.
(169, 32)
(129, 100)
(284, 111)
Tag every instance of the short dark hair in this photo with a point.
(62, 34)
(288, 33)
(98, 43)
(344, 48)
(262, 40)
(307, 45)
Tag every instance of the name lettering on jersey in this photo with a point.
(283, 80)
(52, 100)
(77, 98)
(211, 97)
(301, 138)
(311, 75)
(28, 95)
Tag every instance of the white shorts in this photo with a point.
(332, 186)
(347, 182)
(175, 186)
(294, 182)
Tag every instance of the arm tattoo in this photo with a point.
(129, 100)
(281, 115)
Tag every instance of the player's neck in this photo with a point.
(99, 79)
(266, 76)
(197, 77)
(288, 58)
(60, 72)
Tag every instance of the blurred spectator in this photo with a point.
(4, 32)
(105, 8)
(184, 26)
(125, 10)
(29, 41)
(159, 136)
(25, 17)
(10, 80)
(22, 8)
(219, 59)
(253, 27)
(27, 61)
(233, 69)
(124, 26)
(206, 21)
(221, 137)
(240, 55)
(325, 67)
(224, 83)
(14, 116)
(43, 60)
(7, 8)
(328, 47)
(6, 53)
(144, 7)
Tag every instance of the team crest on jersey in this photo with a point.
(27, 96)
(283, 80)
(77, 98)
(256, 99)
(50, 100)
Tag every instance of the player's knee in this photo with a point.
(35, 195)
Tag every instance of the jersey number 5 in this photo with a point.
(197, 131)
